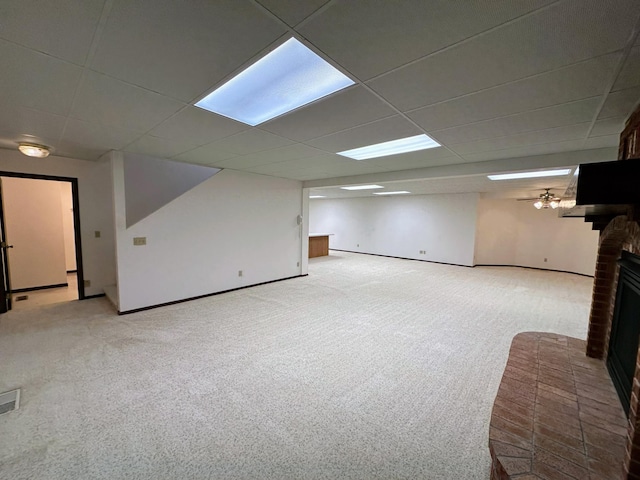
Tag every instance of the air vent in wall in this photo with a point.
(9, 401)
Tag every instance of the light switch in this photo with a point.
(97, 233)
(139, 241)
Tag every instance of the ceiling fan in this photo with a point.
(544, 200)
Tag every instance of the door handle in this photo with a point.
(4, 245)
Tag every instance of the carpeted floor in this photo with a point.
(368, 368)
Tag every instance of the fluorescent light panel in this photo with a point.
(317, 196)
(542, 173)
(287, 78)
(399, 192)
(362, 187)
(402, 145)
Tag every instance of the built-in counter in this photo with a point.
(318, 244)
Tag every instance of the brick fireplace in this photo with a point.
(557, 414)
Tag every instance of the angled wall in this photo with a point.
(199, 242)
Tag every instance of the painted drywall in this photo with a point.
(151, 183)
(66, 200)
(443, 226)
(33, 225)
(198, 243)
(515, 233)
(96, 210)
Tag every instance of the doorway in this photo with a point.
(40, 241)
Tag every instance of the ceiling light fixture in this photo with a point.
(286, 78)
(399, 192)
(547, 200)
(540, 173)
(33, 150)
(317, 196)
(393, 147)
(362, 187)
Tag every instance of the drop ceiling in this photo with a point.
(501, 85)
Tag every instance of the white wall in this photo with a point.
(66, 199)
(197, 243)
(515, 233)
(96, 211)
(33, 225)
(442, 225)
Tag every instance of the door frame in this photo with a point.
(76, 218)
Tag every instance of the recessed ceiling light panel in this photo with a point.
(362, 187)
(287, 78)
(398, 192)
(402, 145)
(317, 196)
(541, 173)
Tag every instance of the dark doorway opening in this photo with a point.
(6, 298)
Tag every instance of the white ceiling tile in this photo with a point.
(602, 142)
(35, 80)
(26, 121)
(620, 103)
(63, 28)
(115, 103)
(205, 155)
(197, 126)
(292, 12)
(552, 135)
(290, 152)
(544, 118)
(250, 141)
(629, 76)
(342, 110)
(81, 151)
(608, 126)
(159, 147)
(567, 32)
(580, 81)
(181, 50)
(96, 135)
(526, 151)
(384, 130)
(374, 38)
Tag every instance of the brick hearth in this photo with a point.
(557, 414)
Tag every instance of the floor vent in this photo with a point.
(20, 298)
(9, 401)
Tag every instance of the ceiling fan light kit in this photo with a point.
(547, 200)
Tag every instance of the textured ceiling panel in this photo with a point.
(250, 141)
(159, 147)
(78, 20)
(566, 33)
(120, 104)
(383, 36)
(580, 81)
(36, 80)
(181, 48)
(608, 126)
(390, 128)
(204, 155)
(22, 120)
(290, 152)
(292, 12)
(550, 117)
(197, 126)
(620, 103)
(346, 109)
(526, 151)
(79, 131)
(560, 134)
(629, 76)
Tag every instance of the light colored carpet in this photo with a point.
(370, 367)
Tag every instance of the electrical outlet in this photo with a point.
(139, 241)
(87, 283)
(239, 273)
(357, 245)
(545, 259)
(297, 264)
(97, 234)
